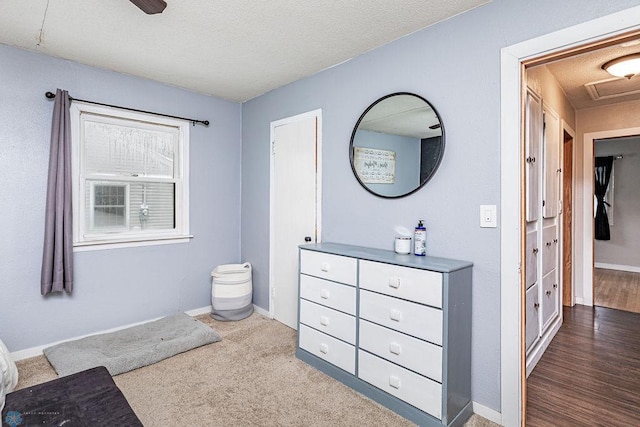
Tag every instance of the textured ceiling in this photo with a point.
(234, 49)
(574, 72)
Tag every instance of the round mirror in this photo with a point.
(396, 145)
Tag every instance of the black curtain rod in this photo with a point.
(52, 95)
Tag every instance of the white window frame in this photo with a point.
(83, 239)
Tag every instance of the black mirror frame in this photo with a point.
(438, 161)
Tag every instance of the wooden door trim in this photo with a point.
(513, 58)
(568, 182)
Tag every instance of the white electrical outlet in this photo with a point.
(488, 216)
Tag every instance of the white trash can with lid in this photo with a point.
(231, 292)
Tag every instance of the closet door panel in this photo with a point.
(551, 148)
(549, 298)
(549, 249)
(533, 145)
(532, 322)
(532, 257)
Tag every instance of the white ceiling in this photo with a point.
(575, 72)
(234, 49)
(403, 115)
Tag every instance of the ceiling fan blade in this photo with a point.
(150, 7)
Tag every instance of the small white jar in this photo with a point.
(403, 245)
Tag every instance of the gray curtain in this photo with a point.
(57, 257)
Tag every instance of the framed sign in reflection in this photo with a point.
(375, 166)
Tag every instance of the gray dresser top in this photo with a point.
(442, 265)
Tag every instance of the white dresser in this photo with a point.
(396, 328)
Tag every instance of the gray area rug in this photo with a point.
(131, 348)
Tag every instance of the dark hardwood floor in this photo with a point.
(590, 374)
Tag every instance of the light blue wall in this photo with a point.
(407, 151)
(120, 286)
(456, 66)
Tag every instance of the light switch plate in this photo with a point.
(488, 216)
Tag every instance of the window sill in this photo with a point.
(102, 244)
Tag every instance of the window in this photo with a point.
(109, 209)
(130, 177)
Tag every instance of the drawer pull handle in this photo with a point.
(324, 294)
(548, 244)
(394, 282)
(395, 315)
(555, 286)
(394, 382)
(324, 267)
(324, 349)
(535, 250)
(536, 305)
(324, 320)
(548, 292)
(395, 348)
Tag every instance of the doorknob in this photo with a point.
(307, 239)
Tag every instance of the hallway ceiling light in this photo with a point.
(625, 66)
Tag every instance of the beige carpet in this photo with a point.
(250, 378)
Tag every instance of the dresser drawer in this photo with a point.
(410, 318)
(407, 283)
(329, 321)
(327, 266)
(328, 348)
(419, 356)
(414, 389)
(331, 294)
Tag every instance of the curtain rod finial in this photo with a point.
(50, 95)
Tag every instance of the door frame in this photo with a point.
(317, 114)
(565, 128)
(512, 59)
(588, 252)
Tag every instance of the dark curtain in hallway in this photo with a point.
(603, 174)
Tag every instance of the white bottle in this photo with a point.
(420, 239)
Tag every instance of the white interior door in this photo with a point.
(295, 201)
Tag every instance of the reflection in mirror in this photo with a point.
(396, 145)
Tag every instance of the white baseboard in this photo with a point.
(262, 311)
(631, 268)
(199, 311)
(580, 300)
(37, 351)
(486, 412)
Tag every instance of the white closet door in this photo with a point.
(551, 163)
(293, 211)
(533, 146)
